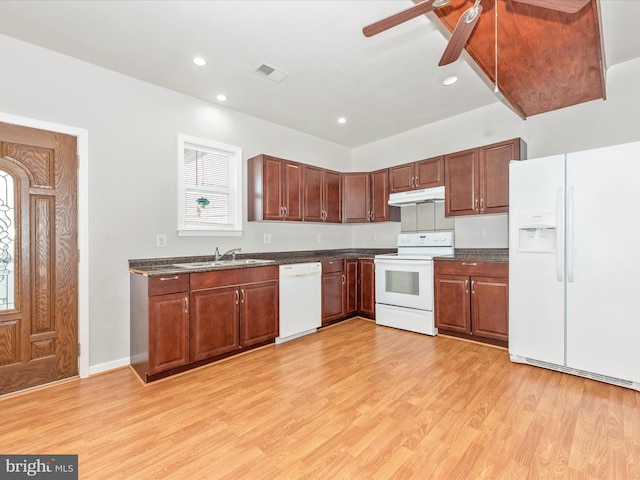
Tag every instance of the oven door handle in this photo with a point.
(392, 261)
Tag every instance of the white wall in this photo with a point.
(581, 127)
(133, 127)
(132, 130)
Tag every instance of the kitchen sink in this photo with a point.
(223, 263)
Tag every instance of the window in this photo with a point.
(210, 187)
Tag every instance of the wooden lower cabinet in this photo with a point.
(259, 313)
(168, 332)
(472, 300)
(213, 329)
(186, 320)
(348, 289)
(366, 288)
(351, 286)
(333, 291)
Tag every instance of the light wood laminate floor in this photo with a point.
(354, 401)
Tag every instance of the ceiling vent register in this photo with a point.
(270, 72)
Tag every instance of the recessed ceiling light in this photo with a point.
(342, 120)
(450, 80)
(201, 62)
(221, 97)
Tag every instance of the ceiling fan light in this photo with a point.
(449, 80)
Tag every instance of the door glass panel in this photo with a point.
(7, 241)
(402, 282)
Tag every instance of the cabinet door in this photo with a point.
(356, 188)
(312, 198)
(366, 287)
(332, 196)
(292, 190)
(494, 175)
(490, 307)
(461, 183)
(452, 303)
(402, 178)
(430, 172)
(214, 322)
(168, 332)
(272, 188)
(333, 288)
(351, 287)
(258, 312)
(380, 196)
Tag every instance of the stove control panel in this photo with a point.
(426, 239)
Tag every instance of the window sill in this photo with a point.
(208, 232)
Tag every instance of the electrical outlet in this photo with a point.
(161, 240)
(267, 238)
(482, 233)
(319, 238)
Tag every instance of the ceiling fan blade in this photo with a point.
(400, 17)
(461, 33)
(566, 6)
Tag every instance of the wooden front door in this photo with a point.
(38, 258)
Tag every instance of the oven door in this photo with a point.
(404, 283)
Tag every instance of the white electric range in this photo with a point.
(404, 281)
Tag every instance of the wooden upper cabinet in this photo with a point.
(357, 197)
(494, 171)
(461, 183)
(322, 195)
(380, 210)
(366, 198)
(332, 196)
(274, 189)
(312, 194)
(430, 172)
(412, 176)
(477, 180)
(401, 178)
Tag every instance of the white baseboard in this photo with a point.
(105, 367)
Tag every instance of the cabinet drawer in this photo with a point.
(237, 276)
(168, 284)
(331, 266)
(471, 268)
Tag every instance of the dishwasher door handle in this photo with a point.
(299, 275)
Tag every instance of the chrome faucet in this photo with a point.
(233, 251)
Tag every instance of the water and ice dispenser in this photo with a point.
(537, 232)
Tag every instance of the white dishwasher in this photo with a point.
(300, 300)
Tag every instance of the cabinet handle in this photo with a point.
(475, 204)
(469, 264)
(242, 290)
(237, 297)
(286, 213)
(164, 279)
(466, 286)
(473, 282)
(344, 279)
(186, 304)
(482, 204)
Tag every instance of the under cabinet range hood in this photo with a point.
(434, 194)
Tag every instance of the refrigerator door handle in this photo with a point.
(570, 219)
(558, 236)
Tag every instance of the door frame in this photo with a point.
(82, 136)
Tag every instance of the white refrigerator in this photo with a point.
(574, 263)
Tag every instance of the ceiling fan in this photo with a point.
(466, 23)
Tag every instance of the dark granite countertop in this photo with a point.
(478, 255)
(165, 266)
